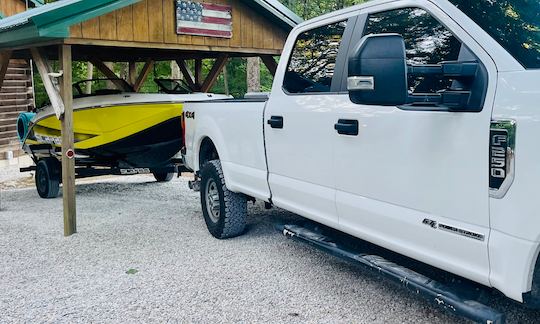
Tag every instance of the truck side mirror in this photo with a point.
(378, 71)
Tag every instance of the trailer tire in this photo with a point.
(163, 176)
(48, 178)
(224, 211)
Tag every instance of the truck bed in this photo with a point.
(240, 121)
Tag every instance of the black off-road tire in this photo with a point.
(163, 176)
(48, 172)
(231, 220)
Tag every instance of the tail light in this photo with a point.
(183, 126)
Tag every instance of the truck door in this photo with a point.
(299, 122)
(415, 177)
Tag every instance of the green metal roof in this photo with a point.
(52, 21)
(284, 15)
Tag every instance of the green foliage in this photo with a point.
(160, 70)
(515, 24)
(308, 9)
(236, 77)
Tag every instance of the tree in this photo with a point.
(313, 8)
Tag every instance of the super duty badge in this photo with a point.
(501, 156)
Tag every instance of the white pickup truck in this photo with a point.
(414, 125)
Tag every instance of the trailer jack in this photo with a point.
(446, 297)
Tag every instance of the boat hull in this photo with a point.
(130, 135)
(152, 147)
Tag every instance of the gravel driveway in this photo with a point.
(142, 254)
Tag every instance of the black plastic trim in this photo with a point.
(343, 54)
(356, 36)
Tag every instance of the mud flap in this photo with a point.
(440, 295)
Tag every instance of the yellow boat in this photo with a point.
(119, 133)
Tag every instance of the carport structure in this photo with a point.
(133, 31)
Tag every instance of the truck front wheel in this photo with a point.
(224, 211)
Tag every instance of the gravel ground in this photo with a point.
(142, 254)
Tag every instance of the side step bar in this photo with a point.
(431, 290)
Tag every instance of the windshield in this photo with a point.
(515, 24)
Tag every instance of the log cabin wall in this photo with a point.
(11, 7)
(151, 23)
(17, 94)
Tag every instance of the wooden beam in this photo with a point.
(4, 63)
(44, 71)
(68, 164)
(188, 48)
(214, 72)
(132, 73)
(143, 75)
(270, 63)
(186, 72)
(115, 79)
(198, 72)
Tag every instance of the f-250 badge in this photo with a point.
(502, 142)
(497, 165)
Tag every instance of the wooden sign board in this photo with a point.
(203, 19)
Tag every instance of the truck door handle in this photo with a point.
(347, 127)
(276, 122)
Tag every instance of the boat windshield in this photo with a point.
(515, 24)
(99, 87)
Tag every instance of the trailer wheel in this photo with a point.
(48, 177)
(224, 211)
(163, 176)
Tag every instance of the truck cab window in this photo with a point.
(426, 42)
(313, 60)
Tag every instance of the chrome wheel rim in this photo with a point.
(213, 206)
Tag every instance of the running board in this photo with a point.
(431, 290)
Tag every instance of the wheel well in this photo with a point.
(208, 152)
(532, 298)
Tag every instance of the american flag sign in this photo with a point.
(203, 19)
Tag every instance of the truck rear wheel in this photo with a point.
(48, 177)
(224, 211)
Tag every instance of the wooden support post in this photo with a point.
(132, 73)
(101, 66)
(270, 63)
(186, 72)
(214, 72)
(68, 164)
(198, 72)
(44, 70)
(143, 75)
(4, 63)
